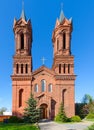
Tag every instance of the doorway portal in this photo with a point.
(43, 108)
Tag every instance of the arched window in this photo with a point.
(50, 88)
(22, 41)
(17, 68)
(26, 68)
(68, 68)
(21, 68)
(64, 68)
(36, 88)
(59, 68)
(20, 97)
(43, 85)
(63, 96)
(64, 40)
(57, 44)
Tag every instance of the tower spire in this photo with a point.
(61, 6)
(61, 18)
(23, 12)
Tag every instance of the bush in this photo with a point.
(68, 119)
(90, 116)
(91, 127)
(15, 119)
(75, 119)
(57, 118)
(80, 110)
(61, 116)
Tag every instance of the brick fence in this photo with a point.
(4, 117)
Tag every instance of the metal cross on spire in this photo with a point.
(43, 60)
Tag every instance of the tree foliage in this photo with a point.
(31, 113)
(61, 116)
(79, 110)
(15, 119)
(3, 109)
(87, 99)
(88, 105)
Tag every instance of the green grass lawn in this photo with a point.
(18, 127)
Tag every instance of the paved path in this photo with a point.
(66, 126)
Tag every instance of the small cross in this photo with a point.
(43, 60)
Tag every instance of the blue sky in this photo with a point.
(43, 15)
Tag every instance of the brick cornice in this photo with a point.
(22, 57)
(65, 77)
(21, 77)
(60, 57)
(64, 84)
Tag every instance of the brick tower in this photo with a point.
(63, 63)
(22, 66)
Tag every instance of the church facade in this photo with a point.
(52, 86)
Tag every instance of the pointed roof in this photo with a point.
(23, 12)
(71, 20)
(62, 17)
(23, 15)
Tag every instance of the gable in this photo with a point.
(43, 71)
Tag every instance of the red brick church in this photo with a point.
(50, 86)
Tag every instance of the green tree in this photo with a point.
(61, 116)
(87, 99)
(79, 110)
(3, 109)
(32, 113)
(88, 104)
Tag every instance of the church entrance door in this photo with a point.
(43, 111)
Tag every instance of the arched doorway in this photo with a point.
(43, 108)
